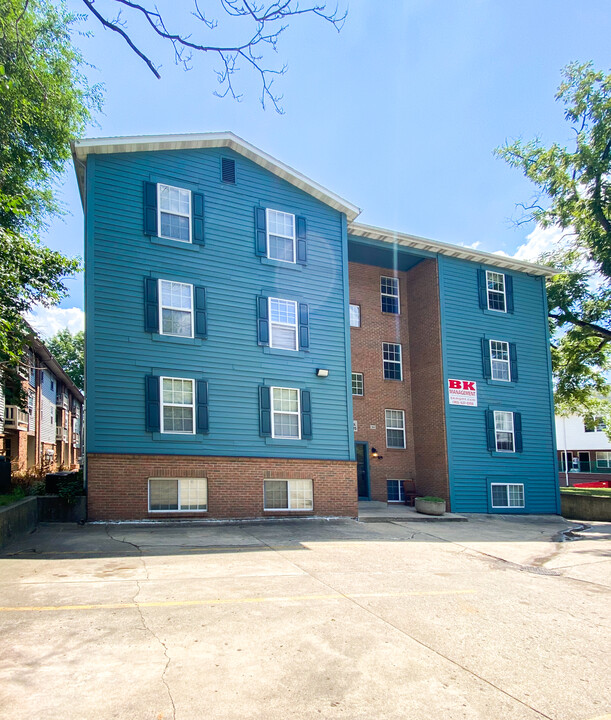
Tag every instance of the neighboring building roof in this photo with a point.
(457, 251)
(144, 143)
(45, 354)
(191, 141)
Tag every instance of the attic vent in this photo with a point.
(228, 170)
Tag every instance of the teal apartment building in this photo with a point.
(253, 351)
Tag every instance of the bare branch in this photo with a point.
(267, 25)
(115, 28)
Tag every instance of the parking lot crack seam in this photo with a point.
(368, 610)
(145, 625)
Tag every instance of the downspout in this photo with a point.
(566, 457)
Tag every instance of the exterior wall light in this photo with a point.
(322, 372)
(374, 454)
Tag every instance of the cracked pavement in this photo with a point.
(308, 619)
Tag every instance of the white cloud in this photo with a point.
(48, 321)
(473, 245)
(539, 241)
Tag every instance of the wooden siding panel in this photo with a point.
(472, 466)
(230, 358)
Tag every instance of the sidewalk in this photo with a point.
(374, 511)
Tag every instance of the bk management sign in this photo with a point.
(462, 392)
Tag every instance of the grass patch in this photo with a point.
(15, 496)
(600, 492)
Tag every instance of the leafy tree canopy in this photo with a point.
(69, 351)
(574, 194)
(45, 101)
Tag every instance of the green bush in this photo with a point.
(431, 498)
(71, 488)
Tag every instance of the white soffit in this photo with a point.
(145, 143)
(371, 232)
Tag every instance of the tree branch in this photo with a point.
(596, 329)
(262, 16)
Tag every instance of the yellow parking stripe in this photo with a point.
(232, 601)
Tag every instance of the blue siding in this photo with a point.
(120, 353)
(464, 323)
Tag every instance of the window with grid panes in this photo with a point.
(178, 494)
(495, 283)
(389, 292)
(395, 428)
(499, 360)
(177, 405)
(285, 413)
(355, 316)
(507, 495)
(280, 235)
(174, 220)
(288, 495)
(394, 491)
(391, 353)
(504, 431)
(357, 383)
(283, 323)
(603, 460)
(176, 308)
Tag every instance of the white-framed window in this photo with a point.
(394, 491)
(507, 495)
(395, 429)
(280, 235)
(391, 354)
(283, 324)
(174, 213)
(495, 287)
(285, 413)
(177, 405)
(178, 494)
(175, 308)
(603, 460)
(389, 293)
(357, 383)
(499, 360)
(355, 315)
(596, 424)
(288, 495)
(503, 431)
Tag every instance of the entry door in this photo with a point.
(584, 462)
(362, 470)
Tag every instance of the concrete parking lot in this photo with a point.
(492, 618)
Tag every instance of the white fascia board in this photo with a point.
(456, 251)
(146, 143)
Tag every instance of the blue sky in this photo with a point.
(399, 113)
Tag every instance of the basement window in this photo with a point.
(178, 494)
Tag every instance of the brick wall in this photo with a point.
(379, 394)
(118, 485)
(427, 380)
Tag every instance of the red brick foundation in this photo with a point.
(117, 485)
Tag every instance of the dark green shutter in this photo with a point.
(150, 208)
(513, 362)
(306, 415)
(482, 289)
(262, 321)
(509, 293)
(152, 403)
(517, 430)
(197, 200)
(260, 231)
(486, 362)
(151, 305)
(490, 433)
(202, 406)
(302, 242)
(265, 412)
(304, 329)
(201, 316)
